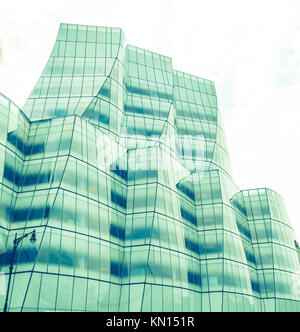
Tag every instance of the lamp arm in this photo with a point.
(21, 238)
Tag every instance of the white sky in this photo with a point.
(249, 48)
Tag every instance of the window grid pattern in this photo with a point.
(120, 164)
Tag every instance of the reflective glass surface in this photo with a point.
(119, 162)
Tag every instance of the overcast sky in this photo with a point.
(249, 48)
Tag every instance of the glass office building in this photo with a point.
(119, 162)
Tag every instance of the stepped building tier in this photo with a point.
(119, 162)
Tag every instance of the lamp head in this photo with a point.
(33, 237)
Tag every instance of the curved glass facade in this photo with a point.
(119, 163)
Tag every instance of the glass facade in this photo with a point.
(119, 162)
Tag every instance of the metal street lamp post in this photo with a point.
(16, 243)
